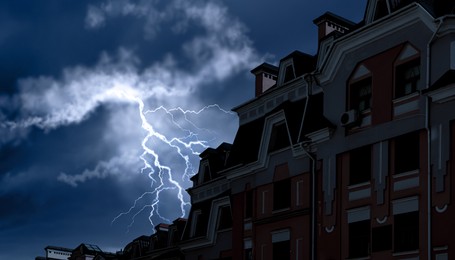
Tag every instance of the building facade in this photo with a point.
(348, 154)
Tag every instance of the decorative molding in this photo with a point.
(441, 210)
(381, 221)
(329, 229)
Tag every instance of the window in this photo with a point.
(225, 218)
(381, 238)
(198, 224)
(360, 165)
(406, 232)
(407, 78)
(282, 250)
(359, 238)
(248, 249)
(279, 138)
(282, 194)
(281, 244)
(407, 153)
(289, 73)
(206, 172)
(360, 95)
(249, 204)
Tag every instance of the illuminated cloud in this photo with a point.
(157, 120)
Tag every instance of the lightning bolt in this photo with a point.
(161, 175)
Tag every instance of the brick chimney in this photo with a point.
(329, 22)
(266, 76)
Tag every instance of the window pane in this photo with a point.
(406, 232)
(360, 165)
(279, 138)
(282, 194)
(406, 79)
(360, 95)
(359, 238)
(281, 250)
(407, 153)
(382, 238)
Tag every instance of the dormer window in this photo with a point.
(289, 73)
(359, 90)
(407, 78)
(407, 72)
(279, 137)
(360, 95)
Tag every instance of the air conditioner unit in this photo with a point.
(349, 118)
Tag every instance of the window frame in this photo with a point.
(282, 198)
(403, 154)
(360, 155)
(401, 68)
(355, 99)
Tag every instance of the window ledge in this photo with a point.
(359, 258)
(413, 252)
(280, 210)
(404, 174)
(406, 97)
(358, 185)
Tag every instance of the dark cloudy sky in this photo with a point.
(99, 99)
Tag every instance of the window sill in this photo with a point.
(358, 258)
(358, 185)
(413, 252)
(404, 174)
(405, 98)
(280, 210)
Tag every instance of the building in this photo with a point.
(55, 252)
(347, 154)
(88, 251)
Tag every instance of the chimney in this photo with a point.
(329, 22)
(266, 76)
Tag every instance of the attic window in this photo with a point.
(407, 78)
(289, 73)
(360, 95)
(279, 138)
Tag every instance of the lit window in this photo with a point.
(360, 95)
(360, 165)
(407, 78)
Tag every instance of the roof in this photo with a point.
(447, 78)
(89, 247)
(58, 248)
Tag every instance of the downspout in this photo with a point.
(313, 170)
(427, 127)
(313, 201)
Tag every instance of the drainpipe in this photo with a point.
(428, 128)
(309, 79)
(313, 199)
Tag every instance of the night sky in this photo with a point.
(94, 94)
